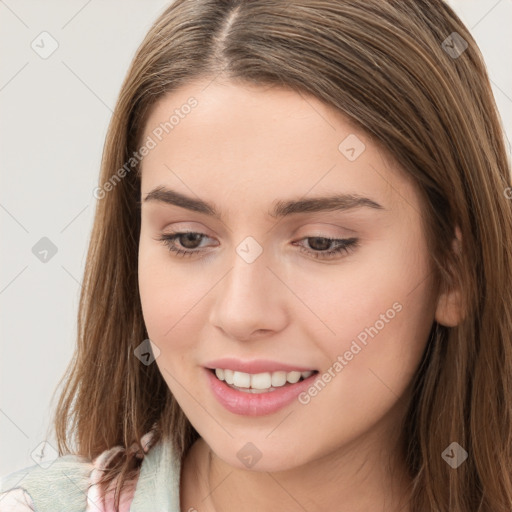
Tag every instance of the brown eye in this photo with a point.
(187, 242)
(319, 246)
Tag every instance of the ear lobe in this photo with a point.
(449, 311)
(449, 304)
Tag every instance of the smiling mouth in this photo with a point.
(260, 382)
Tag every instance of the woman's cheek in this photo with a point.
(376, 324)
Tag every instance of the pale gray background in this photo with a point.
(54, 118)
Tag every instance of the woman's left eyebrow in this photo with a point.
(280, 209)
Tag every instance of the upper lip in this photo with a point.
(254, 366)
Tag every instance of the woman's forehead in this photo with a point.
(264, 141)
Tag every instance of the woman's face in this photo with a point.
(261, 291)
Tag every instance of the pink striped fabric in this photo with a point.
(98, 503)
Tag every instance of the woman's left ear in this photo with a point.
(449, 304)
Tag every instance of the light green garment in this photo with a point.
(62, 487)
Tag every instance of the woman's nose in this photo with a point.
(250, 298)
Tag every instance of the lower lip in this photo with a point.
(256, 404)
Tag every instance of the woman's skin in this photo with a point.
(244, 148)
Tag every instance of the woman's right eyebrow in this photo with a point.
(281, 208)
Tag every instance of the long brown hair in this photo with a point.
(397, 70)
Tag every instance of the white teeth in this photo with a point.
(278, 379)
(228, 376)
(241, 380)
(293, 377)
(259, 381)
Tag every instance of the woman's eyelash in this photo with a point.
(168, 240)
(342, 245)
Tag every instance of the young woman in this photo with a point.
(298, 291)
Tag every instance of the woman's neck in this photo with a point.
(350, 481)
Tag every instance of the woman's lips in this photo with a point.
(255, 404)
